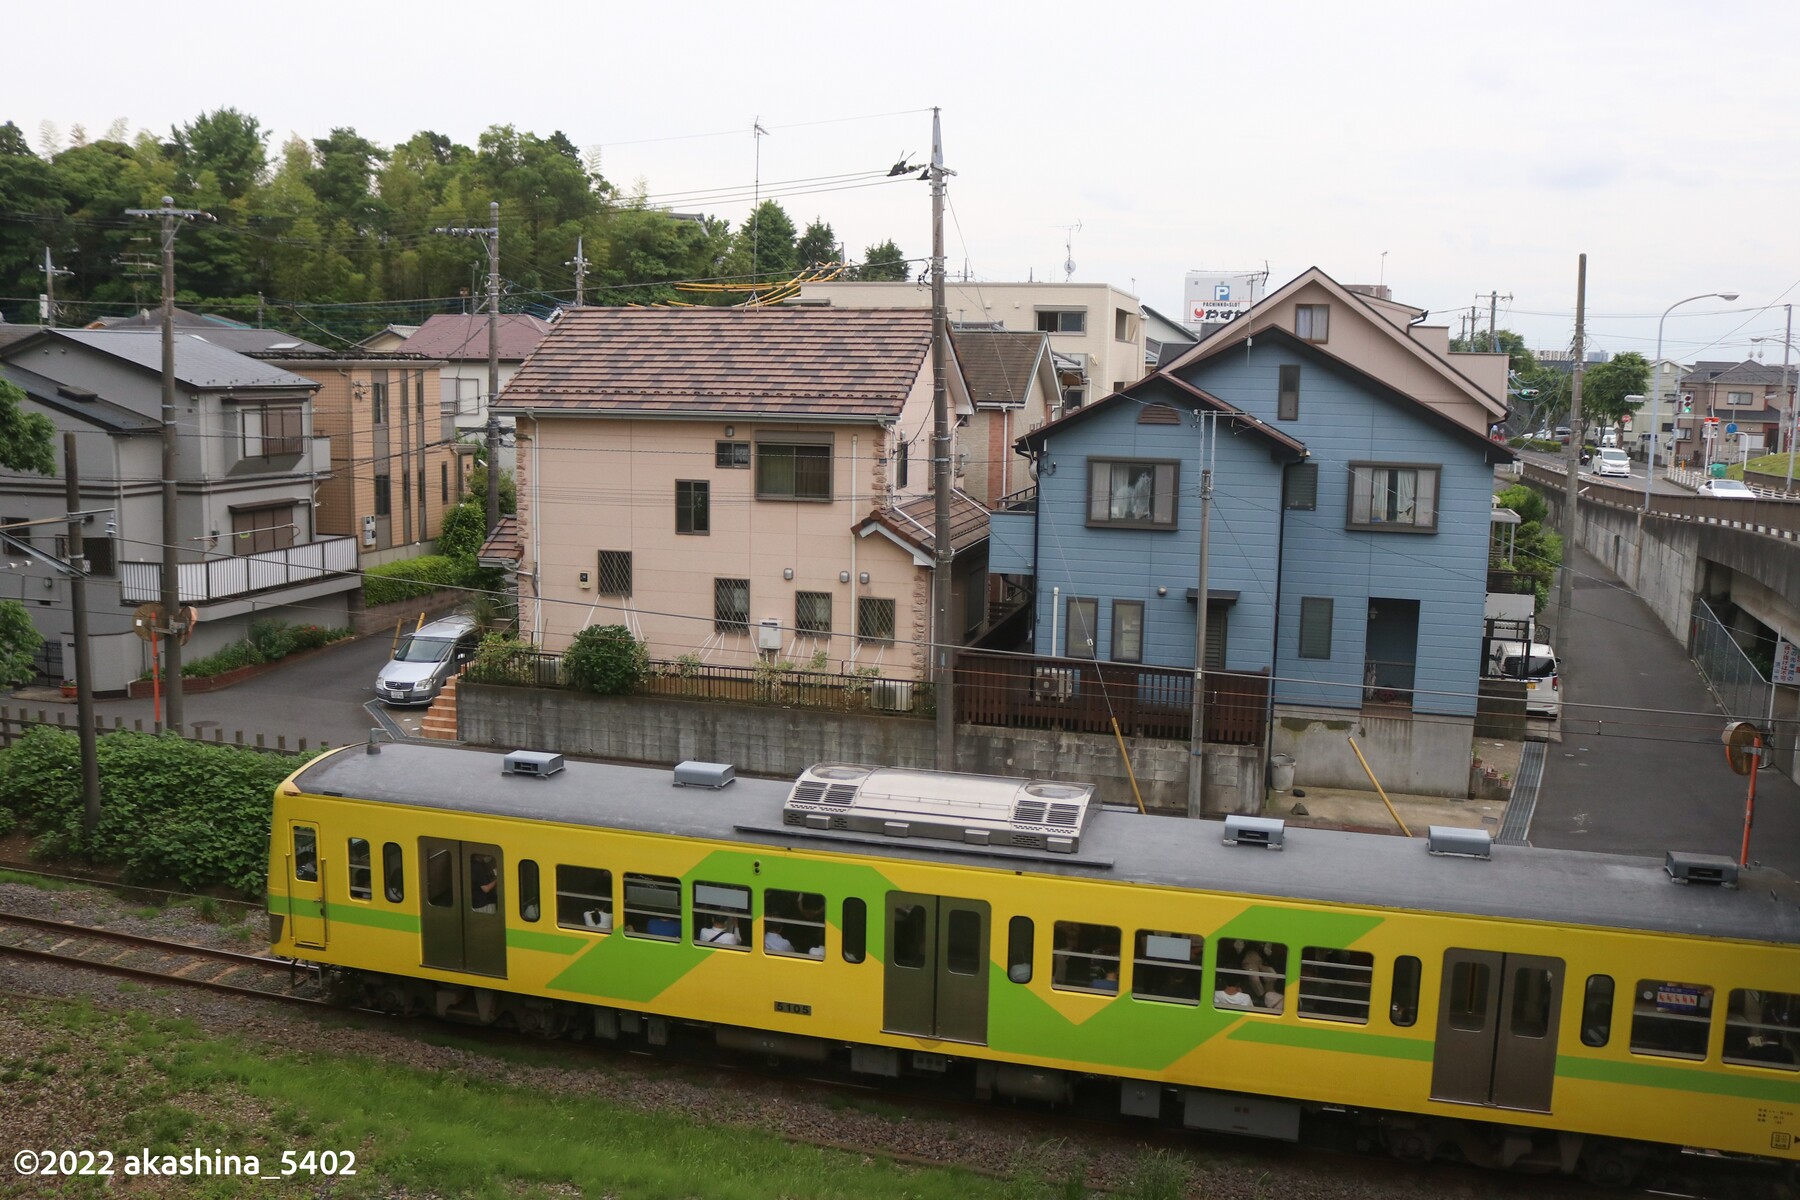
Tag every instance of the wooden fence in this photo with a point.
(1080, 695)
(13, 725)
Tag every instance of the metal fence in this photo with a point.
(1738, 683)
(236, 575)
(15, 723)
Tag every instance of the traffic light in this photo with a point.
(1687, 404)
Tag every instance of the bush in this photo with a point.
(238, 654)
(465, 528)
(170, 809)
(504, 660)
(311, 637)
(605, 660)
(417, 577)
(272, 639)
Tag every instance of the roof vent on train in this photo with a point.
(1458, 842)
(535, 763)
(978, 810)
(1715, 869)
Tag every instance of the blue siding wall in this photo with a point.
(1132, 564)
(1343, 421)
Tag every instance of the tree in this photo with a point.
(765, 243)
(229, 144)
(1605, 386)
(884, 261)
(605, 659)
(1519, 359)
(25, 445)
(817, 245)
(19, 643)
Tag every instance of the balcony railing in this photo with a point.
(1083, 695)
(239, 575)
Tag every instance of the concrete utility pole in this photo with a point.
(1566, 592)
(942, 675)
(580, 263)
(84, 675)
(1196, 805)
(170, 638)
(51, 271)
(1787, 390)
(492, 234)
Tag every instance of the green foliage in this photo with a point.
(1537, 549)
(765, 244)
(413, 578)
(509, 491)
(227, 143)
(1518, 357)
(606, 660)
(171, 809)
(273, 639)
(25, 438)
(1527, 501)
(465, 528)
(229, 658)
(269, 641)
(884, 262)
(1605, 386)
(817, 245)
(503, 659)
(19, 644)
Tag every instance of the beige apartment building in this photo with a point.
(1096, 330)
(740, 485)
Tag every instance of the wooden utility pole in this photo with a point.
(1572, 463)
(942, 675)
(84, 672)
(171, 461)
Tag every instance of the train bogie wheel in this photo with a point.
(1411, 1144)
(1609, 1164)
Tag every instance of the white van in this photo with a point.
(1537, 666)
(426, 659)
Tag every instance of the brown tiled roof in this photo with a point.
(914, 521)
(456, 336)
(997, 365)
(504, 547)
(858, 363)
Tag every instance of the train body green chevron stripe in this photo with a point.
(548, 943)
(1781, 1089)
(353, 914)
(1338, 1040)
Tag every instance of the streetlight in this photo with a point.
(1787, 392)
(1656, 391)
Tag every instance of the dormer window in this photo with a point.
(1312, 322)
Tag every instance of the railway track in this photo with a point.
(158, 961)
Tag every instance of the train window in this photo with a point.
(440, 879)
(529, 909)
(484, 883)
(856, 925)
(584, 898)
(1532, 991)
(652, 907)
(1596, 1011)
(1085, 958)
(1020, 933)
(794, 923)
(1762, 1029)
(909, 936)
(1167, 966)
(722, 916)
(1250, 975)
(1469, 983)
(1403, 1010)
(306, 854)
(962, 942)
(1335, 985)
(361, 875)
(1671, 1020)
(393, 872)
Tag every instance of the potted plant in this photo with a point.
(68, 689)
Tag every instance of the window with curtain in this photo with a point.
(1392, 497)
(1132, 493)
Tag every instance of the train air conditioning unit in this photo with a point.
(1053, 683)
(891, 695)
(976, 810)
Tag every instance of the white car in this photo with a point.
(1729, 489)
(1538, 667)
(1612, 462)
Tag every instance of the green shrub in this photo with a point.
(605, 660)
(417, 577)
(311, 637)
(272, 639)
(464, 529)
(230, 658)
(505, 660)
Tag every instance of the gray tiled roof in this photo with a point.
(997, 366)
(91, 409)
(458, 337)
(198, 362)
(914, 521)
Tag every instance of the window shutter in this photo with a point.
(1163, 497)
(1315, 627)
(1099, 485)
(1302, 489)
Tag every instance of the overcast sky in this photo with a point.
(1449, 149)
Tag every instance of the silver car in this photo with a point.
(426, 659)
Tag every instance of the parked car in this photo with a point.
(1612, 462)
(426, 659)
(1562, 434)
(1537, 666)
(1729, 489)
(1609, 438)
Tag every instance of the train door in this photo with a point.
(306, 885)
(937, 967)
(462, 922)
(1496, 1031)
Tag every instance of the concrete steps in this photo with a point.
(440, 718)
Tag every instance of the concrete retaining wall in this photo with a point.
(1426, 755)
(383, 617)
(785, 741)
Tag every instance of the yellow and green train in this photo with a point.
(1535, 1008)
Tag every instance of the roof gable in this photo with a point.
(460, 336)
(1163, 388)
(199, 363)
(913, 523)
(999, 367)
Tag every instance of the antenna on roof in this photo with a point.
(1069, 232)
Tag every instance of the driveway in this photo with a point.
(1640, 768)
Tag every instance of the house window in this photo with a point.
(874, 621)
(1312, 322)
(444, 483)
(1073, 398)
(384, 495)
(1135, 493)
(97, 550)
(258, 530)
(693, 506)
(1128, 631)
(271, 430)
(1742, 398)
(1287, 401)
(19, 535)
(1300, 486)
(812, 612)
(1062, 320)
(1078, 635)
(731, 454)
(900, 465)
(1315, 627)
(1125, 325)
(731, 605)
(378, 399)
(615, 572)
(785, 471)
(1393, 497)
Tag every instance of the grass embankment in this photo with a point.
(97, 1079)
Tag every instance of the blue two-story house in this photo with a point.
(1347, 544)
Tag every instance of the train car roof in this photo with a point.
(1329, 866)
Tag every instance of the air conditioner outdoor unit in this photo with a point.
(1053, 683)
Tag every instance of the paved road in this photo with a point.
(1661, 486)
(1645, 782)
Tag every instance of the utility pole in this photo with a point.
(942, 675)
(51, 271)
(1787, 390)
(492, 234)
(171, 558)
(1565, 595)
(84, 676)
(580, 263)
(1196, 805)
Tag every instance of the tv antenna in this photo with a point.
(1069, 232)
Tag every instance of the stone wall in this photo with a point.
(1425, 755)
(783, 742)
